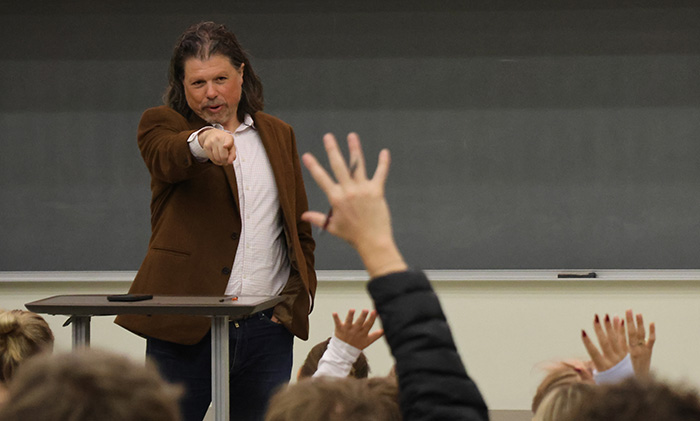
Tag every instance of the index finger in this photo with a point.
(593, 352)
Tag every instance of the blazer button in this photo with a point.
(226, 271)
(234, 236)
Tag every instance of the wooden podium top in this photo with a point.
(98, 305)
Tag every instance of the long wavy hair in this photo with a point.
(201, 41)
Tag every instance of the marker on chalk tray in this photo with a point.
(588, 275)
(228, 299)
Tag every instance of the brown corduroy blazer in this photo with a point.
(195, 225)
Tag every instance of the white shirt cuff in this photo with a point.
(197, 151)
(338, 359)
(619, 372)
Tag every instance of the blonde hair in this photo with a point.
(562, 402)
(22, 335)
(562, 373)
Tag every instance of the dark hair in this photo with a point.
(201, 41)
(641, 400)
(360, 368)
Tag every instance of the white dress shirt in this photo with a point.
(261, 265)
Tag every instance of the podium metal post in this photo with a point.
(219, 367)
(81, 331)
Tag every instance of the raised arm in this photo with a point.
(433, 382)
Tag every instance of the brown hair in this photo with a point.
(89, 385)
(641, 400)
(336, 399)
(203, 40)
(22, 335)
(562, 373)
(360, 368)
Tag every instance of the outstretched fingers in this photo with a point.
(322, 178)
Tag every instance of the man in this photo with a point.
(433, 383)
(227, 200)
(89, 385)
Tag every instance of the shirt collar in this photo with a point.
(247, 122)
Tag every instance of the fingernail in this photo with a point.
(623, 323)
(597, 320)
(607, 318)
(583, 333)
(578, 370)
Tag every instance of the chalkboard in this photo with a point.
(543, 135)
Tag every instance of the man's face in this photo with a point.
(213, 89)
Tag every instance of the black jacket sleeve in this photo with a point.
(433, 382)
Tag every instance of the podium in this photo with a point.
(81, 308)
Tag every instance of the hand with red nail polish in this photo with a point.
(611, 339)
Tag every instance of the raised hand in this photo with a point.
(360, 211)
(357, 333)
(611, 338)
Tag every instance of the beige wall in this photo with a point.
(504, 327)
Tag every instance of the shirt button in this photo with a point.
(234, 236)
(226, 271)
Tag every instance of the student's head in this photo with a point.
(89, 385)
(562, 373)
(563, 401)
(360, 369)
(336, 399)
(203, 41)
(22, 335)
(640, 400)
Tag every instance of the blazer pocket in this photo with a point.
(171, 251)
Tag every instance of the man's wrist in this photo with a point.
(196, 146)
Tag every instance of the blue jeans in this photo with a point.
(260, 360)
